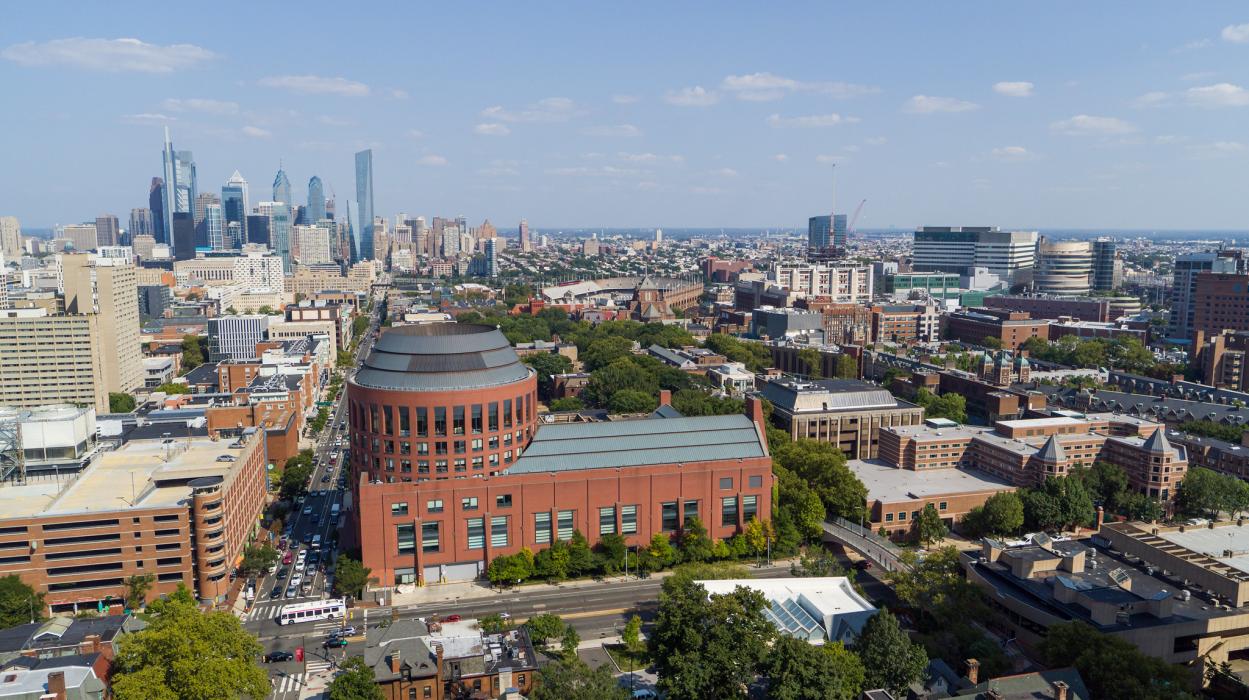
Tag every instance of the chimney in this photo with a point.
(1101, 518)
(394, 661)
(1060, 690)
(665, 397)
(56, 684)
(973, 671)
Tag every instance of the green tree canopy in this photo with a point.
(632, 401)
(570, 403)
(173, 388)
(823, 467)
(546, 365)
(1204, 492)
(350, 576)
(797, 670)
(948, 405)
(184, 653)
(120, 403)
(355, 682)
(1060, 502)
(605, 351)
(572, 679)
(1001, 514)
(929, 527)
(890, 660)
(1113, 668)
(622, 374)
(847, 367)
(543, 627)
(19, 603)
(192, 352)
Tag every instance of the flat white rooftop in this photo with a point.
(1215, 542)
(1056, 422)
(888, 484)
(833, 595)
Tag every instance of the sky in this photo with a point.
(1117, 115)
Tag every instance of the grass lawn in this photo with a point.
(622, 657)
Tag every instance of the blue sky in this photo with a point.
(1108, 114)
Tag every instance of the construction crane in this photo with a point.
(854, 219)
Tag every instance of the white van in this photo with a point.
(316, 542)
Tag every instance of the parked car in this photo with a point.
(326, 479)
(295, 581)
(453, 618)
(307, 510)
(348, 631)
(275, 656)
(300, 566)
(288, 558)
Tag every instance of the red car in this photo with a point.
(454, 618)
(288, 558)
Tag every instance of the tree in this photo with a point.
(569, 641)
(184, 653)
(509, 568)
(624, 373)
(948, 405)
(1114, 668)
(355, 681)
(992, 342)
(797, 670)
(1130, 354)
(1001, 514)
(1059, 502)
(847, 367)
(810, 360)
(570, 403)
(695, 545)
(580, 556)
(345, 359)
(697, 402)
(1204, 492)
(258, 557)
(708, 646)
(605, 351)
(173, 388)
(350, 576)
(660, 551)
(19, 603)
(546, 365)
(632, 401)
(890, 660)
(192, 352)
(137, 588)
(572, 679)
(817, 561)
(758, 535)
(120, 403)
(552, 562)
(494, 623)
(611, 552)
(544, 626)
(823, 467)
(1107, 483)
(929, 527)
(632, 635)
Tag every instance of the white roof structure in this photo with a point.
(816, 609)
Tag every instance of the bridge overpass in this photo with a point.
(868, 544)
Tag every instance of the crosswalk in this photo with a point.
(289, 686)
(269, 610)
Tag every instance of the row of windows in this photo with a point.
(442, 447)
(914, 514)
(442, 420)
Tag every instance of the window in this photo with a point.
(888, 517)
(503, 500)
(373, 426)
(440, 421)
(422, 422)
(492, 416)
(389, 415)
(542, 528)
(756, 482)
(902, 515)
(477, 463)
(498, 531)
(750, 507)
(476, 444)
(942, 506)
(691, 511)
(406, 536)
(429, 537)
(507, 413)
(458, 420)
(476, 533)
(726, 483)
(469, 503)
(564, 524)
(607, 520)
(398, 508)
(461, 464)
(434, 506)
(728, 510)
(628, 520)
(460, 447)
(422, 448)
(405, 421)
(477, 420)
(668, 517)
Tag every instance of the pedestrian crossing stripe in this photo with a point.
(288, 683)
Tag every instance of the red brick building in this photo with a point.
(436, 523)
(1012, 328)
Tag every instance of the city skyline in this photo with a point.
(1081, 120)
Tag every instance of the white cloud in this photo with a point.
(649, 158)
(415, 134)
(1012, 153)
(624, 99)
(334, 121)
(1084, 125)
(1218, 149)
(1236, 33)
(780, 157)
(147, 118)
(498, 171)
(877, 141)
(1156, 98)
(551, 109)
(612, 130)
(810, 121)
(256, 132)
(108, 55)
(928, 104)
(695, 96)
(398, 94)
(492, 130)
(1199, 75)
(1013, 89)
(316, 85)
(197, 104)
(764, 87)
(1218, 95)
(723, 172)
(432, 160)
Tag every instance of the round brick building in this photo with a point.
(440, 401)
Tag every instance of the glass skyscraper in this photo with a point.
(167, 208)
(234, 204)
(316, 200)
(184, 184)
(215, 227)
(280, 233)
(363, 244)
(282, 188)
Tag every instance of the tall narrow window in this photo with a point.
(668, 519)
(498, 531)
(429, 537)
(458, 421)
(607, 521)
(565, 525)
(728, 511)
(542, 528)
(691, 511)
(405, 421)
(422, 422)
(440, 421)
(492, 416)
(406, 537)
(388, 415)
(750, 508)
(507, 413)
(477, 419)
(628, 520)
(476, 533)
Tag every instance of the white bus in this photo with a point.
(332, 609)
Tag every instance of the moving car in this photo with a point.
(275, 656)
(307, 510)
(335, 643)
(276, 592)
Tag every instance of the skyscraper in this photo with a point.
(363, 249)
(1009, 254)
(156, 203)
(819, 232)
(185, 191)
(258, 229)
(316, 200)
(234, 205)
(167, 187)
(107, 230)
(279, 231)
(214, 227)
(10, 238)
(525, 244)
(492, 257)
(140, 223)
(202, 200)
(282, 188)
(182, 239)
(1107, 266)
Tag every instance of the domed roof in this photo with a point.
(440, 357)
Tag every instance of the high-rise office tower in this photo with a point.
(492, 257)
(234, 207)
(214, 227)
(202, 200)
(1009, 254)
(186, 191)
(819, 232)
(182, 246)
(526, 244)
(364, 202)
(312, 245)
(11, 238)
(156, 203)
(279, 215)
(107, 230)
(1107, 265)
(108, 288)
(450, 241)
(316, 200)
(169, 183)
(258, 229)
(1184, 285)
(282, 188)
(140, 223)
(234, 235)
(80, 236)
